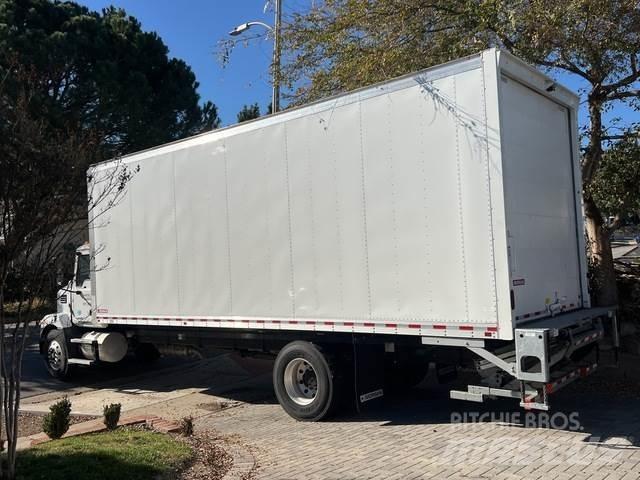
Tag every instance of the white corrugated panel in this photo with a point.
(380, 210)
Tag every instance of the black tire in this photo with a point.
(56, 355)
(309, 364)
(146, 353)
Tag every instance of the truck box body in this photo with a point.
(442, 203)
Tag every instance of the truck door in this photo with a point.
(540, 202)
(81, 290)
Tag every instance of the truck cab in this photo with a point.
(70, 336)
(74, 298)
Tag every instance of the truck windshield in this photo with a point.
(82, 272)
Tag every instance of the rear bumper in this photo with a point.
(546, 356)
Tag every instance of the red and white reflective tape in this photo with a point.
(589, 338)
(436, 329)
(579, 372)
(588, 370)
(551, 387)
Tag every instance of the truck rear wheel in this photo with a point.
(303, 381)
(56, 355)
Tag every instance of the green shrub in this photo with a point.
(111, 415)
(186, 426)
(56, 422)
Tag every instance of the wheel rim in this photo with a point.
(54, 355)
(300, 381)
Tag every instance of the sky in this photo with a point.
(192, 29)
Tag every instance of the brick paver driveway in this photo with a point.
(421, 435)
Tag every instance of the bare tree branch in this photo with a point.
(617, 95)
(627, 80)
(43, 207)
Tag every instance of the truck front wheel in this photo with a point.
(303, 381)
(56, 355)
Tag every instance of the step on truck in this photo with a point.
(430, 221)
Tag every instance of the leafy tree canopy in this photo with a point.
(103, 71)
(339, 45)
(616, 185)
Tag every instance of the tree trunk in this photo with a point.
(603, 275)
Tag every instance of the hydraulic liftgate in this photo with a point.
(540, 361)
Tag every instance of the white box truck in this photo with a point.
(431, 219)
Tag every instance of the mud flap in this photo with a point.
(369, 375)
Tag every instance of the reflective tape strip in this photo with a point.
(582, 372)
(302, 324)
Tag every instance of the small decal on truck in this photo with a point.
(518, 282)
(365, 397)
(103, 310)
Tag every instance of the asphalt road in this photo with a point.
(36, 380)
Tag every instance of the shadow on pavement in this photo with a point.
(609, 419)
(604, 414)
(36, 380)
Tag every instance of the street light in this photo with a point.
(243, 27)
(275, 30)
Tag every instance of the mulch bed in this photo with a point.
(31, 423)
(211, 461)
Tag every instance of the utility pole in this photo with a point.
(275, 101)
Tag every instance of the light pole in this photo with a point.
(275, 65)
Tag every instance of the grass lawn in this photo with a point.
(120, 455)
